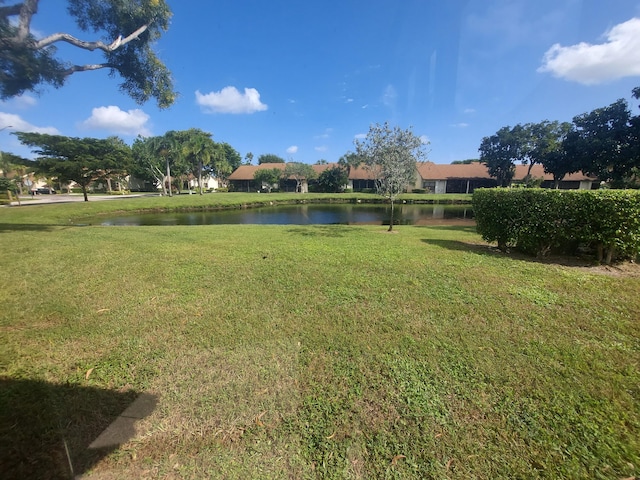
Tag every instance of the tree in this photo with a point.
(270, 158)
(147, 165)
(169, 148)
(248, 158)
(299, 172)
(81, 160)
(350, 161)
(129, 29)
(199, 151)
(391, 153)
(601, 143)
(228, 163)
(333, 179)
(267, 177)
(468, 161)
(500, 152)
(322, 161)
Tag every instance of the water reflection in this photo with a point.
(308, 214)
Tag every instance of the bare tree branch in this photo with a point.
(65, 37)
(10, 11)
(28, 9)
(86, 68)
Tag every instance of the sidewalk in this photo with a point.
(26, 200)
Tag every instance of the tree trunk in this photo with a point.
(391, 220)
(200, 176)
(109, 185)
(169, 176)
(84, 192)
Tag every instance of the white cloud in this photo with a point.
(425, 140)
(469, 111)
(349, 100)
(230, 100)
(360, 136)
(617, 57)
(325, 135)
(17, 124)
(460, 125)
(114, 120)
(321, 149)
(389, 96)
(292, 149)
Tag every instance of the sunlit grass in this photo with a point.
(327, 351)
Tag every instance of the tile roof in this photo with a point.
(426, 170)
(434, 171)
(246, 172)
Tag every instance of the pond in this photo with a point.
(307, 214)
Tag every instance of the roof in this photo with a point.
(247, 172)
(426, 170)
(434, 171)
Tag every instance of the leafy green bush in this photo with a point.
(538, 221)
(419, 190)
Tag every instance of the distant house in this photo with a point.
(241, 180)
(432, 177)
(465, 178)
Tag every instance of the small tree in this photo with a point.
(391, 153)
(299, 172)
(333, 179)
(269, 158)
(267, 177)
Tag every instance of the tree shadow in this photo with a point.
(493, 251)
(26, 227)
(457, 245)
(335, 231)
(51, 431)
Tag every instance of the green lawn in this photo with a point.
(309, 352)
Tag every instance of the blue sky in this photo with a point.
(303, 79)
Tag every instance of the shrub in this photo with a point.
(538, 221)
(419, 190)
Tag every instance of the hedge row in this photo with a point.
(538, 221)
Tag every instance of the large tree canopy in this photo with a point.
(601, 142)
(500, 152)
(81, 160)
(129, 29)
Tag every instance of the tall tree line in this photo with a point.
(604, 143)
(160, 160)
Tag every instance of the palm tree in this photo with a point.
(199, 150)
(167, 146)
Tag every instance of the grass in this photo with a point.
(309, 352)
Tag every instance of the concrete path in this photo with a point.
(26, 200)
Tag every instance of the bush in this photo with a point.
(538, 221)
(221, 189)
(419, 190)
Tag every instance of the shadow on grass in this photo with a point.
(50, 431)
(457, 245)
(493, 251)
(335, 231)
(26, 227)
